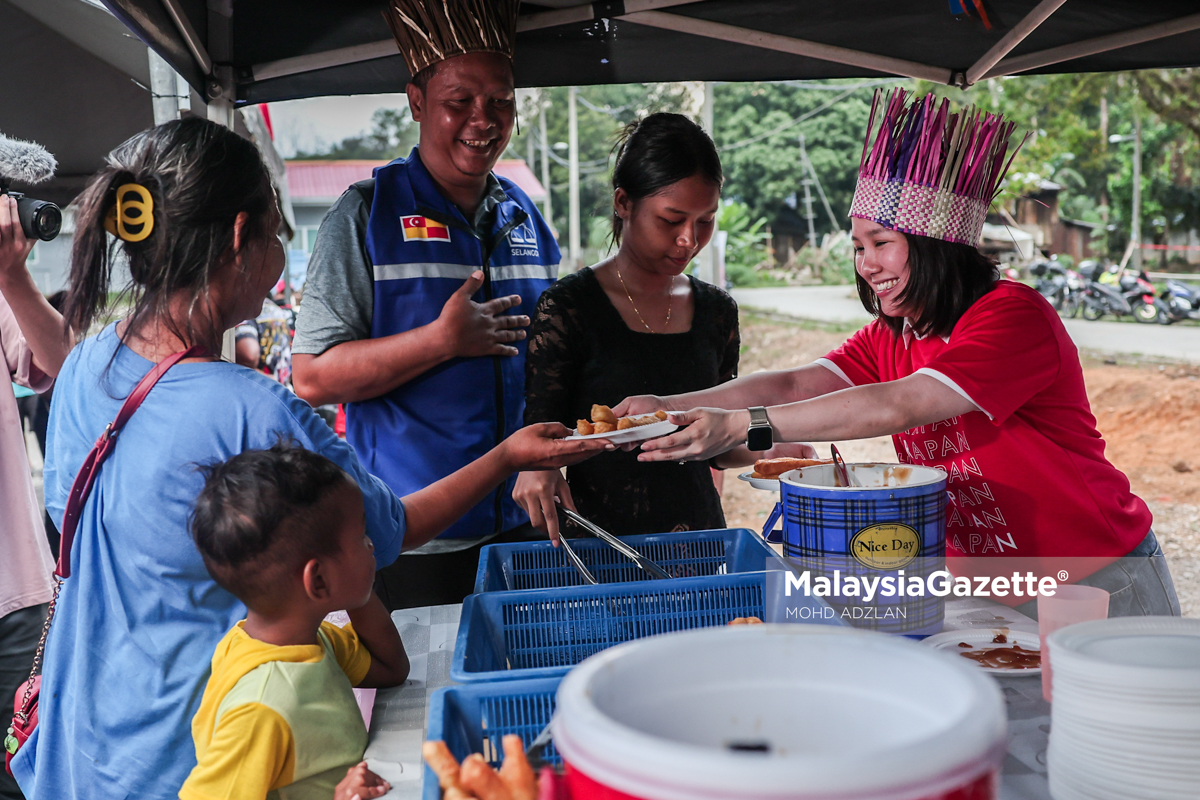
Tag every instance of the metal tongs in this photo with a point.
(536, 751)
(645, 564)
(574, 558)
(843, 476)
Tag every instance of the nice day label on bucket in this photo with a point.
(886, 545)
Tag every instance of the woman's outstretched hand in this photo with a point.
(789, 450)
(543, 446)
(536, 492)
(638, 405)
(707, 432)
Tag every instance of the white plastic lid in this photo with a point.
(1152, 653)
(870, 476)
(840, 713)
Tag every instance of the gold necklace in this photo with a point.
(666, 324)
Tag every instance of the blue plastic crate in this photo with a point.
(540, 633)
(690, 554)
(474, 718)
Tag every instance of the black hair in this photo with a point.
(200, 176)
(261, 513)
(944, 280)
(422, 78)
(659, 150)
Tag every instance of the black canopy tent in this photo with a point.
(71, 61)
(251, 51)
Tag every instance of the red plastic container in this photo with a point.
(779, 712)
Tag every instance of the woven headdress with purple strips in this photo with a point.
(929, 172)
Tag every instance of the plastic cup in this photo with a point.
(1068, 605)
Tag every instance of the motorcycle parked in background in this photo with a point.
(1181, 301)
(1143, 298)
(1060, 286)
(1097, 299)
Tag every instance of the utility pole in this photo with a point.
(808, 212)
(706, 259)
(573, 187)
(547, 206)
(1136, 233)
(812, 173)
(529, 151)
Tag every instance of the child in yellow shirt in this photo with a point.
(284, 530)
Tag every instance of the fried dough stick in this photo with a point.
(476, 780)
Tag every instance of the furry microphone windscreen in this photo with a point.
(25, 162)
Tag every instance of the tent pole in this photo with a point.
(586, 12)
(164, 89)
(190, 37)
(1014, 37)
(1090, 47)
(787, 44)
(387, 47)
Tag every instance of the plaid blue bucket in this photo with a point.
(894, 527)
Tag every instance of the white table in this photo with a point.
(398, 716)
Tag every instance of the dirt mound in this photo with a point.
(1149, 417)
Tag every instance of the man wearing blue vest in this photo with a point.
(419, 288)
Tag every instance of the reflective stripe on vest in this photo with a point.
(458, 410)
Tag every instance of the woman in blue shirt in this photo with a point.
(136, 624)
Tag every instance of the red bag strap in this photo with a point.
(86, 476)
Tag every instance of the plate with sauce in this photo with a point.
(766, 484)
(1000, 651)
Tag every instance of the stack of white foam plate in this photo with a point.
(1125, 721)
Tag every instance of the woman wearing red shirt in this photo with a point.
(968, 373)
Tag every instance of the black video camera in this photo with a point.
(40, 219)
(28, 163)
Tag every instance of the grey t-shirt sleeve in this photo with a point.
(339, 291)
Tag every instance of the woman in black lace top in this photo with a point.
(632, 325)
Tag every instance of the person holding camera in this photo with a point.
(34, 347)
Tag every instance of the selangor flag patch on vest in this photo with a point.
(424, 228)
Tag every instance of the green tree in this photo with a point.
(1072, 118)
(756, 132)
(758, 136)
(603, 112)
(746, 246)
(392, 134)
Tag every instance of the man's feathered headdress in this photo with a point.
(429, 31)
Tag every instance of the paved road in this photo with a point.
(840, 304)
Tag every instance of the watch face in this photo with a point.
(759, 438)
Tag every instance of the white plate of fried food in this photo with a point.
(604, 424)
(767, 471)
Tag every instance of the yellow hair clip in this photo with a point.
(128, 211)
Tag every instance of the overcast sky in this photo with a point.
(321, 121)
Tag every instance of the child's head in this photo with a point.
(212, 205)
(279, 525)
